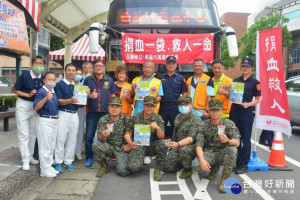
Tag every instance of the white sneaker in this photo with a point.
(25, 166)
(53, 171)
(48, 174)
(33, 161)
(147, 160)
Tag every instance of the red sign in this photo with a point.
(273, 110)
(137, 48)
(13, 32)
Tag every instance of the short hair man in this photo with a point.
(216, 143)
(101, 87)
(157, 145)
(221, 85)
(173, 86)
(183, 141)
(111, 130)
(87, 68)
(201, 89)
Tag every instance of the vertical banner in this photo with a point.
(137, 48)
(13, 30)
(272, 113)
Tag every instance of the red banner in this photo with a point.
(137, 48)
(273, 110)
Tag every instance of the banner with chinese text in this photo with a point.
(136, 48)
(272, 113)
(13, 30)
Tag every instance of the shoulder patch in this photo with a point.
(258, 87)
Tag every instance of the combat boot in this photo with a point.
(225, 175)
(103, 170)
(213, 172)
(157, 172)
(186, 173)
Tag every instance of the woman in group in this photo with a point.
(123, 87)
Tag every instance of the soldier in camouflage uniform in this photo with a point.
(157, 145)
(183, 149)
(111, 129)
(216, 143)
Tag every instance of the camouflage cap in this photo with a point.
(215, 104)
(150, 100)
(115, 101)
(185, 99)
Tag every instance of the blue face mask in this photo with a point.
(184, 109)
(77, 78)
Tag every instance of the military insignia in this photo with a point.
(153, 90)
(258, 87)
(203, 82)
(245, 61)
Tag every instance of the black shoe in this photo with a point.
(263, 143)
(237, 165)
(242, 169)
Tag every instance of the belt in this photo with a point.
(50, 116)
(69, 111)
(168, 103)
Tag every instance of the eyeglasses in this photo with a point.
(98, 66)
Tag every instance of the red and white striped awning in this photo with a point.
(34, 9)
(80, 51)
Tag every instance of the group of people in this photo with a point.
(204, 127)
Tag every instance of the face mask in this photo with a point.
(38, 69)
(184, 109)
(50, 86)
(77, 78)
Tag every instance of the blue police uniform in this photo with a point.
(25, 115)
(173, 86)
(46, 128)
(243, 117)
(96, 108)
(67, 124)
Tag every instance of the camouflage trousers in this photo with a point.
(177, 159)
(136, 156)
(103, 150)
(226, 157)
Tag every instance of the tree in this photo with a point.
(249, 38)
(228, 61)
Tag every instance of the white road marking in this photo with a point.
(256, 187)
(201, 186)
(8, 165)
(155, 194)
(183, 187)
(290, 160)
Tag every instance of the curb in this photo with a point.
(17, 181)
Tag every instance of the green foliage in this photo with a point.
(249, 38)
(56, 42)
(10, 101)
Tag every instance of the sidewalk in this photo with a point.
(26, 185)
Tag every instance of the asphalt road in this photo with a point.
(268, 185)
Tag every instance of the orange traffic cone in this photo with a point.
(277, 156)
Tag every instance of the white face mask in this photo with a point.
(184, 109)
(50, 86)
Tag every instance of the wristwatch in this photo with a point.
(228, 142)
(178, 146)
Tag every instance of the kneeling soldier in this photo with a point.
(183, 141)
(157, 145)
(216, 143)
(111, 129)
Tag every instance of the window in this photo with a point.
(294, 56)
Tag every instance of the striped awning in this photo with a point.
(80, 51)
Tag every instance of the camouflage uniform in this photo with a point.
(157, 146)
(114, 143)
(216, 152)
(183, 156)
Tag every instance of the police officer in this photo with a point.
(216, 144)
(111, 130)
(46, 105)
(157, 145)
(221, 85)
(183, 141)
(242, 114)
(101, 87)
(26, 87)
(173, 86)
(68, 121)
(200, 89)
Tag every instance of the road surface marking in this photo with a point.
(8, 165)
(183, 187)
(256, 187)
(201, 186)
(290, 160)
